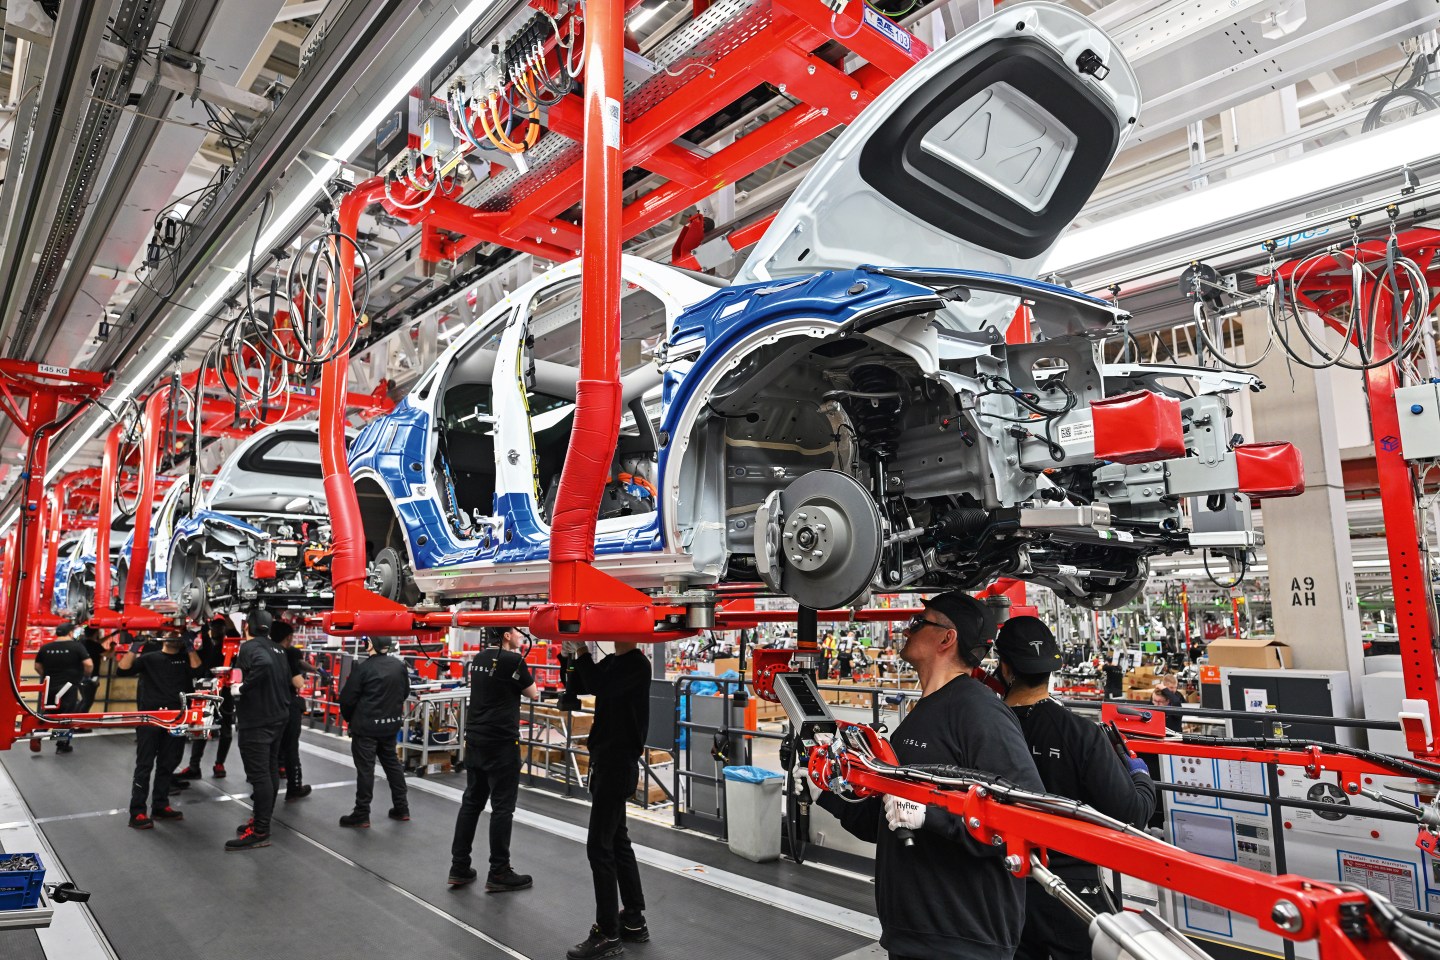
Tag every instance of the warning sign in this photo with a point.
(1392, 879)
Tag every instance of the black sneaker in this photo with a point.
(355, 820)
(218, 771)
(398, 813)
(191, 772)
(178, 785)
(460, 876)
(297, 793)
(506, 880)
(240, 830)
(64, 746)
(167, 813)
(596, 946)
(141, 822)
(248, 840)
(634, 929)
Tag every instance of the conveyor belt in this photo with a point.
(322, 890)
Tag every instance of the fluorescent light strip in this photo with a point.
(281, 223)
(1389, 148)
(1319, 95)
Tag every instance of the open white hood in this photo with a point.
(977, 158)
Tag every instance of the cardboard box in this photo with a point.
(1252, 653)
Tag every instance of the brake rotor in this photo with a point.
(825, 540)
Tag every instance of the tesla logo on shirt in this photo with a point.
(912, 742)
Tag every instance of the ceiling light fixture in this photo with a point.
(1319, 95)
(1316, 173)
(282, 223)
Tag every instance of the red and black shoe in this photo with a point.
(218, 771)
(248, 840)
(141, 822)
(167, 813)
(240, 830)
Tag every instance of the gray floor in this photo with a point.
(324, 891)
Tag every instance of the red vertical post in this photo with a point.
(597, 416)
(347, 529)
(109, 469)
(1415, 618)
(134, 597)
(41, 411)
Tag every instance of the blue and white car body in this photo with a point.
(850, 410)
(74, 594)
(259, 533)
(162, 527)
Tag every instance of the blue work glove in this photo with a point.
(1137, 765)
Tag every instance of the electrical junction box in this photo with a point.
(1419, 411)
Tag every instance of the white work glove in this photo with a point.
(570, 649)
(904, 814)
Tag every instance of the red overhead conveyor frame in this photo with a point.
(583, 602)
(1325, 287)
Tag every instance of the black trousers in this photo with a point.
(492, 774)
(607, 845)
(365, 750)
(225, 714)
(1051, 930)
(290, 746)
(260, 753)
(155, 750)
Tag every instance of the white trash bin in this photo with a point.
(752, 812)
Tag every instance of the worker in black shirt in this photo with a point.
(1075, 760)
(621, 685)
(212, 657)
(295, 786)
(1114, 681)
(165, 676)
(498, 679)
(261, 712)
(948, 896)
(95, 649)
(373, 703)
(65, 663)
(1163, 696)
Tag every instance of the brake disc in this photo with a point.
(823, 536)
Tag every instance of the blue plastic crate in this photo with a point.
(20, 889)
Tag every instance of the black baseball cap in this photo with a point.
(1028, 646)
(281, 630)
(260, 622)
(968, 615)
(381, 644)
(64, 629)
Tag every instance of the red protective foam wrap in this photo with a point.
(264, 570)
(1270, 469)
(1139, 427)
(587, 464)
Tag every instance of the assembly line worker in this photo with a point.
(621, 685)
(373, 703)
(499, 677)
(66, 663)
(261, 712)
(212, 656)
(1075, 760)
(295, 786)
(947, 896)
(95, 649)
(165, 676)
